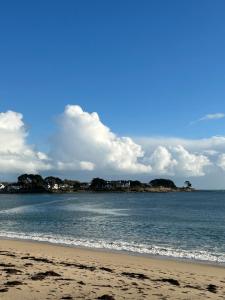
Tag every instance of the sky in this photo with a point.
(118, 89)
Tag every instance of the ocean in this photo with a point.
(177, 225)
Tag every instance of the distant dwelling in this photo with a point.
(54, 187)
(2, 186)
(117, 184)
(13, 187)
(65, 187)
(85, 185)
(99, 184)
(125, 183)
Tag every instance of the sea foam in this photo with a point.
(196, 254)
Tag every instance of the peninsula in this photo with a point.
(34, 183)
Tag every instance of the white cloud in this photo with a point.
(209, 117)
(15, 154)
(75, 165)
(212, 117)
(176, 160)
(212, 144)
(162, 161)
(221, 161)
(84, 142)
(189, 164)
(193, 157)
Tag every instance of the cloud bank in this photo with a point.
(82, 143)
(15, 154)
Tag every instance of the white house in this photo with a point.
(54, 186)
(13, 187)
(2, 186)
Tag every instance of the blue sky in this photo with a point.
(148, 68)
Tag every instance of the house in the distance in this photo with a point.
(2, 186)
(54, 187)
(13, 187)
(85, 186)
(117, 184)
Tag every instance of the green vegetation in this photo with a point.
(34, 183)
(166, 183)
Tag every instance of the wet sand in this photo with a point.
(31, 270)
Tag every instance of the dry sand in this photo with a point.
(32, 270)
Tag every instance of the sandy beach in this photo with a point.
(31, 270)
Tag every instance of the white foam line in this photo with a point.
(200, 255)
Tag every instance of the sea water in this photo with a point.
(180, 225)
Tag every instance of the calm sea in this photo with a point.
(180, 225)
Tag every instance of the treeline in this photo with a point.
(34, 183)
(101, 184)
(31, 183)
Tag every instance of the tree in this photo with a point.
(32, 183)
(75, 184)
(135, 183)
(98, 184)
(51, 180)
(187, 184)
(166, 183)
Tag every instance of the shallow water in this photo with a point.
(181, 225)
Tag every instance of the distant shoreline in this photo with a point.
(35, 183)
(153, 190)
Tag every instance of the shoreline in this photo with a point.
(109, 252)
(35, 270)
(119, 252)
(150, 191)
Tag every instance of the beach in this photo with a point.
(34, 270)
(112, 246)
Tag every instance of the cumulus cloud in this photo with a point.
(189, 164)
(221, 161)
(84, 142)
(176, 160)
(187, 157)
(15, 154)
(162, 161)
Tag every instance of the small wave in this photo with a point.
(200, 255)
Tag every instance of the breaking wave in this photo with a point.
(144, 249)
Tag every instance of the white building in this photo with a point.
(2, 186)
